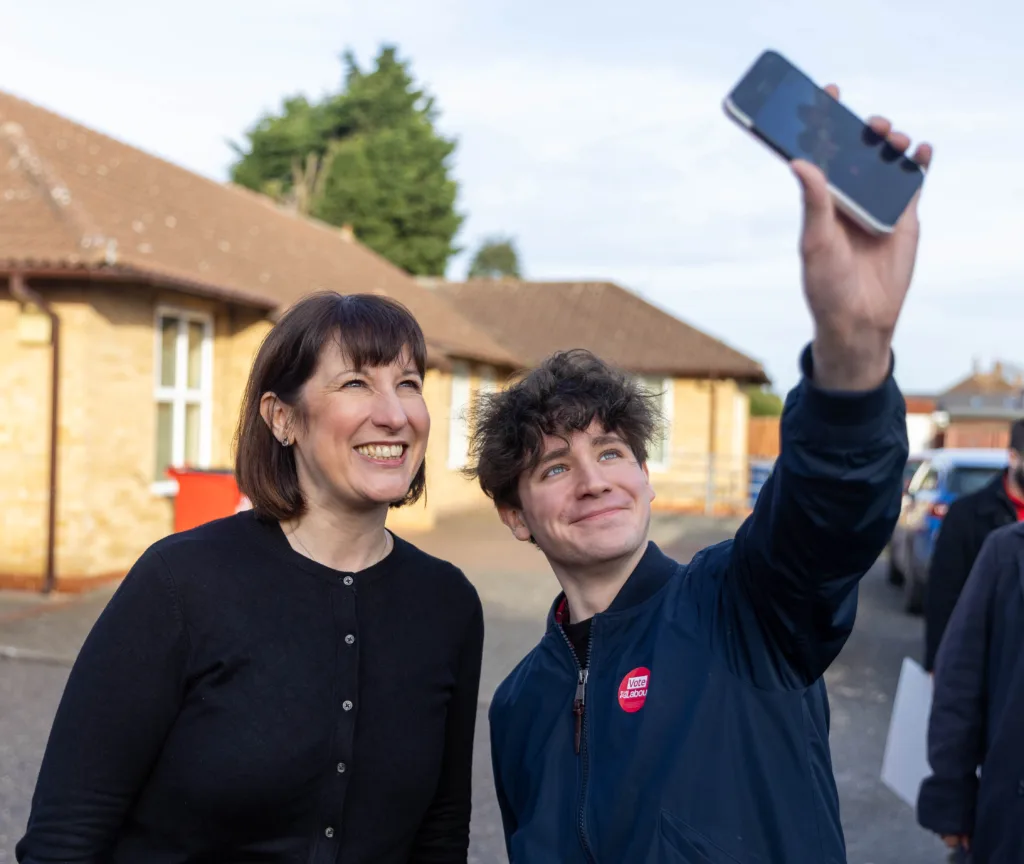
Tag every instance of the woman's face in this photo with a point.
(363, 433)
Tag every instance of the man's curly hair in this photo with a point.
(565, 394)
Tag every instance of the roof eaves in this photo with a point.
(57, 269)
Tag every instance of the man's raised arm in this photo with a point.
(832, 501)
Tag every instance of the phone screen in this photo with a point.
(802, 121)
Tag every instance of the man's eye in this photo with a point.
(611, 453)
(553, 469)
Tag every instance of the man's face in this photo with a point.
(588, 500)
(1017, 468)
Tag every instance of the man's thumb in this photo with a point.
(818, 207)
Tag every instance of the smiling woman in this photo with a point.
(336, 375)
(239, 703)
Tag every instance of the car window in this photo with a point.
(930, 481)
(965, 479)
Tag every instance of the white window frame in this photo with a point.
(488, 379)
(180, 394)
(666, 386)
(458, 416)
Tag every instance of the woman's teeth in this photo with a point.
(381, 451)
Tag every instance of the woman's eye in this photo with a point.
(354, 384)
(415, 385)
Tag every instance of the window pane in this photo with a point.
(195, 354)
(164, 437)
(192, 435)
(168, 346)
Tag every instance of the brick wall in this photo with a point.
(684, 484)
(447, 490)
(108, 512)
(977, 433)
(24, 422)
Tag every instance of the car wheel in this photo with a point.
(913, 593)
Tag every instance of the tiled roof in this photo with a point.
(1004, 378)
(72, 198)
(534, 319)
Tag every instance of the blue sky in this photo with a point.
(592, 132)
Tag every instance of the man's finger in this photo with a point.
(818, 208)
(880, 126)
(898, 141)
(923, 155)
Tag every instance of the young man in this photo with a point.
(969, 521)
(677, 713)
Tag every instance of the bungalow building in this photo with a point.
(133, 295)
(701, 461)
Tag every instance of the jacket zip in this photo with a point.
(579, 713)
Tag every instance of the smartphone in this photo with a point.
(870, 181)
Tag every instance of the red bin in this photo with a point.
(204, 495)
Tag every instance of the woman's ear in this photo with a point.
(278, 417)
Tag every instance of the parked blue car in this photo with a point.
(939, 478)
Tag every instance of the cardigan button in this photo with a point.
(350, 639)
(329, 832)
(346, 705)
(348, 580)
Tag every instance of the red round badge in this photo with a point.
(633, 690)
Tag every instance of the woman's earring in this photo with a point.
(285, 442)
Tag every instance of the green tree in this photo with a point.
(764, 403)
(368, 156)
(496, 257)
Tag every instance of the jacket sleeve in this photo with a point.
(951, 562)
(443, 837)
(121, 698)
(819, 524)
(956, 728)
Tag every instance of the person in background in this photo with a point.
(676, 712)
(293, 682)
(969, 521)
(977, 715)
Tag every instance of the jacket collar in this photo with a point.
(654, 569)
(995, 493)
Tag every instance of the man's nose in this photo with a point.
(590, 480)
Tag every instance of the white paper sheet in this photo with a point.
(905, 763)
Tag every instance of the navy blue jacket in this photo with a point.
(704, 734)
(978, 710)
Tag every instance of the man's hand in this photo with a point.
(855, 283)
(957, 841)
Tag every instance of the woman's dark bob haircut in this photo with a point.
(371, 330)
